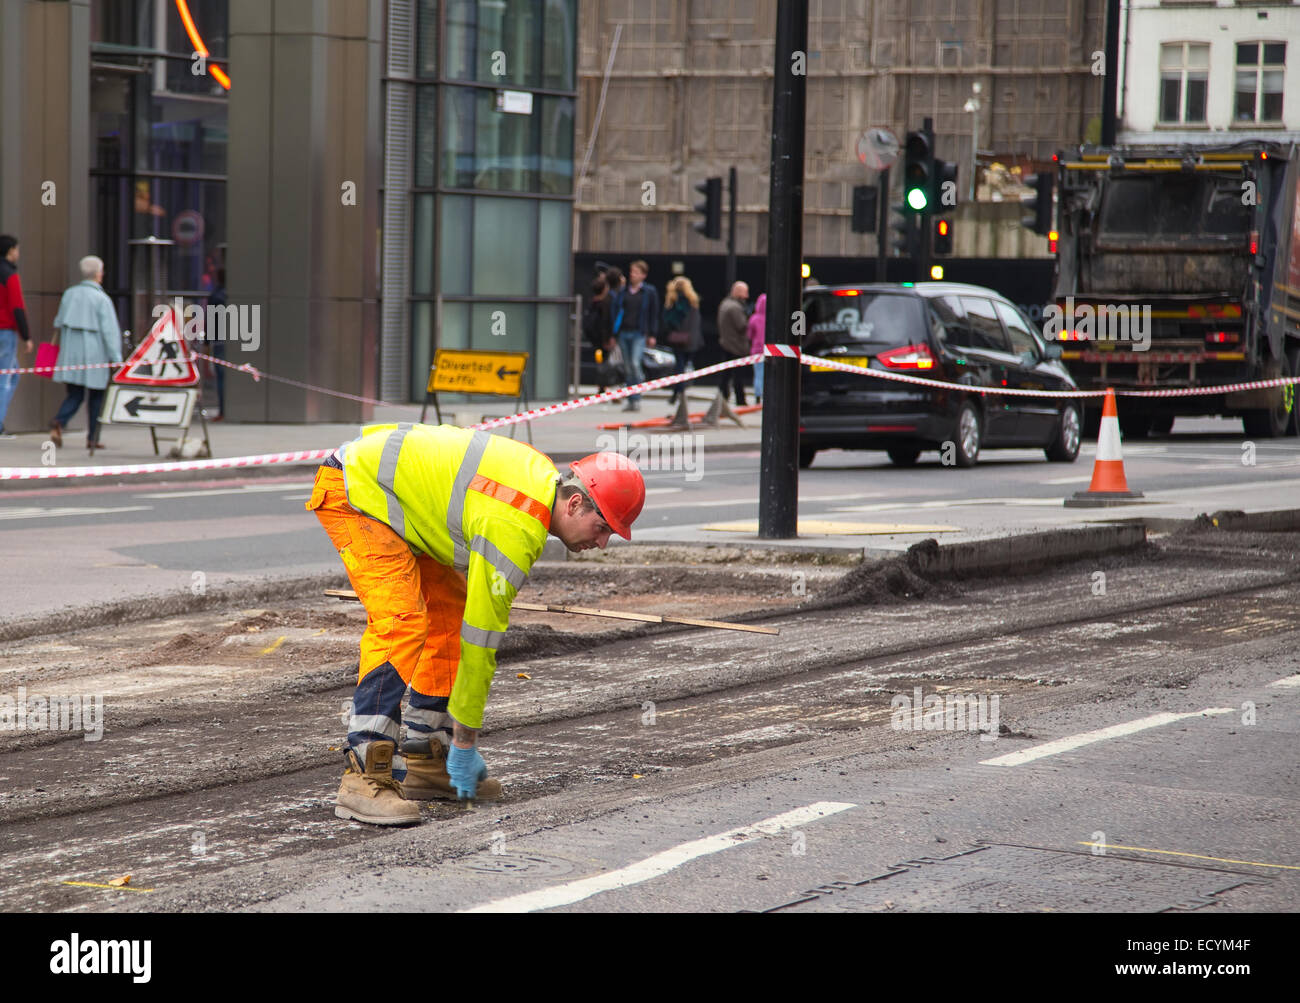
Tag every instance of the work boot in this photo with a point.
(427, 779)
(371, 794)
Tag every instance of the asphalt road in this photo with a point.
(1139, 758)
(79, 546)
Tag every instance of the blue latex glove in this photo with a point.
(465, 768)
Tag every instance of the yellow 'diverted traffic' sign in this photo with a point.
(467, 372)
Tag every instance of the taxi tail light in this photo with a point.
(907, 357)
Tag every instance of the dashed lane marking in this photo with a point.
(1197, 856)
(660, 863)
(245, 490)
(1100, 735)
(55, 513)
(1288, 683)
(823, 527)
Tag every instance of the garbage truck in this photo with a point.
(1176, 268)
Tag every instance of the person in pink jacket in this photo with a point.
(757, 335)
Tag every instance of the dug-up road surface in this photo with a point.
(212, 784)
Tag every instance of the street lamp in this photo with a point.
(972, 105)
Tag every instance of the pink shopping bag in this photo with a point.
(47, 354)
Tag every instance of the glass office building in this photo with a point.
(189, 136)
(492, 95)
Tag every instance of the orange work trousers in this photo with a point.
(414, 605)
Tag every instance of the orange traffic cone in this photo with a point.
(1109, 485)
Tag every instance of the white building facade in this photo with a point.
(1208, 72)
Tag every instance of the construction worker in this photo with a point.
(438, 528)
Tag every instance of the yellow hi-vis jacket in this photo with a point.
(480, 503)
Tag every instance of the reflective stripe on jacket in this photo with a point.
(480, 503)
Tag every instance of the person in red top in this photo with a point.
(13, 324)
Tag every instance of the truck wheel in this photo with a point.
(967, 435)
(1273, 422)
(904, 456)
(806, 454)
(1290, 393)
(1069, 434)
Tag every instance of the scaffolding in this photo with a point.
(690, 90)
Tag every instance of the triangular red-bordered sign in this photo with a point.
(162, 360)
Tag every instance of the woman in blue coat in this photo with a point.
(86, 332)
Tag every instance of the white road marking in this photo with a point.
(1069, 480)
(661, 491)
(1100, 735)
(55, 513)
(802, 498)
(955, 503)
(1288, 683)
(246, 489)
(660, 863)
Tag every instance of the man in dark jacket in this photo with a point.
(13, 324)
(733, 336)
(639, 306)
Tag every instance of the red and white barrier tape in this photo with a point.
(613, 395)
(784, 351)
(812, 360)
(47, 473)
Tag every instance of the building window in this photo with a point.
(1184, 74)
(517, 42)
(1260, 66)
(487, 148)
(158, 135)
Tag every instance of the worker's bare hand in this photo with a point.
(29, 347)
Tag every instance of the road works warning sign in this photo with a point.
(457, 371)
(162, 360)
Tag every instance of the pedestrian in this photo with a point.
(13, 325)
(681, 327)
(596, 326)
(757, 336)
(216, 346)
(733, 336)
(87, 334)
(438, 528)
(640, 320)
(609, 361)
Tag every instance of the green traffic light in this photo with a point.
(916, 199)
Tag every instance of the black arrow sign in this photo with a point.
(134, 406)
(503, 372)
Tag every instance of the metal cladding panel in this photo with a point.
(396, 266)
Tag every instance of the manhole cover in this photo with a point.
(519, 863)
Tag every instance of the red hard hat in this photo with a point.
(614, 484)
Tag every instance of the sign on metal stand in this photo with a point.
(157, 386)
(459, 371)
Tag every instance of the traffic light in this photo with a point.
(905, 240)
(942, 236)
(918, 172)
(1040, 220)
(710, 208)
(865, 198)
